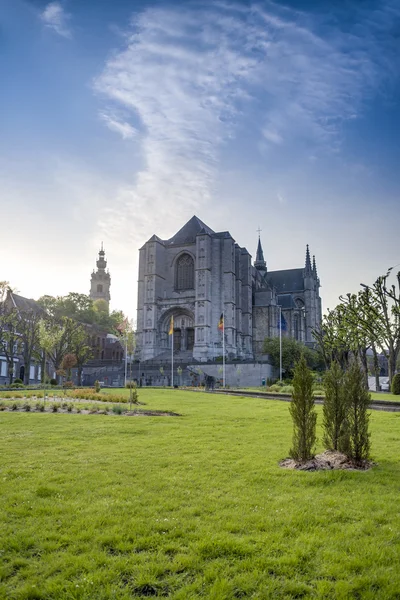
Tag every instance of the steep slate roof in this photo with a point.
(289, 280)
(25, 304)
(187, 235)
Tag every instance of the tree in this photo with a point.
(335, 409)
(292, 350)
(57, 339)
(10, 343)
(28, 329)
(81, 349)
(302, 410)
(68, 363)
(358, 402)
(377, 317)
(82, 308)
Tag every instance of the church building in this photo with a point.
(198, 275)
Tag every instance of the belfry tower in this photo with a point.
(100, 280)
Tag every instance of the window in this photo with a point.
(184, 273)
(100, 288)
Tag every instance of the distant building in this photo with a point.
(100, 282)
(197, 275)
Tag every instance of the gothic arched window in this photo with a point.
(184, 278)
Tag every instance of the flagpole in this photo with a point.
(172, 359)
(223, 349)
(280, 343)
(126, 356)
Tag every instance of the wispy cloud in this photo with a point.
(122, 127)
(57, 19)
(191, 76)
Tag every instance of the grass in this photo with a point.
(374, 395)
(191, 507)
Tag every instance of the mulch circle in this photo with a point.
(327, 461)
(151, 413)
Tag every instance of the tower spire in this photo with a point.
(314, 266)
(260, 263)
(308, 269)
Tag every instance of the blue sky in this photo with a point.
(123, 119)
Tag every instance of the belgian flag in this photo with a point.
(221, 322)
(171, 326)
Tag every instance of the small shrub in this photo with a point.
(335, 410)
(274, 388)
(302, 411)
(69, 407)
(53, 381)
(396, 385)
(130, 384)
(97, 386)
(78, 410)
(26, 407)
(358, 402)
(14, 406)
(55, 407)
(18, 380)
(117, 409)
(287, 389)
(64, 405)
(16, 385)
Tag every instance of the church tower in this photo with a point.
(100, 280)
(260, 263)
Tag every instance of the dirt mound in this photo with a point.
(327, 461)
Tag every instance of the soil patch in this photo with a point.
(151, 413)
(327, 461)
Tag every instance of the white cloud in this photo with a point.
(122, 127)
(190, 76)
(56, 18)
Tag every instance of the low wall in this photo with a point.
(238, 374)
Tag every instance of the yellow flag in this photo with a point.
(171, 326)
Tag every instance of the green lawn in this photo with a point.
(374, 395)
(98, 507)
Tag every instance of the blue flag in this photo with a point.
(283, 325)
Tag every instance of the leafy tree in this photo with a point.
(81, 307)
(302, 410)
(358, 401)
(81, 349)
(68, 363)
(57, 339)
(335, 409)
(292, 350)
(10, 343)
(28, 329)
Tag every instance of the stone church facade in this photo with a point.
(199, 274)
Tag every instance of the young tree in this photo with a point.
(358, 402)
(68, 363)
(335, 409)
(302, 410)
(81, 349)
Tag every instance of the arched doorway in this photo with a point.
(183, 329)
